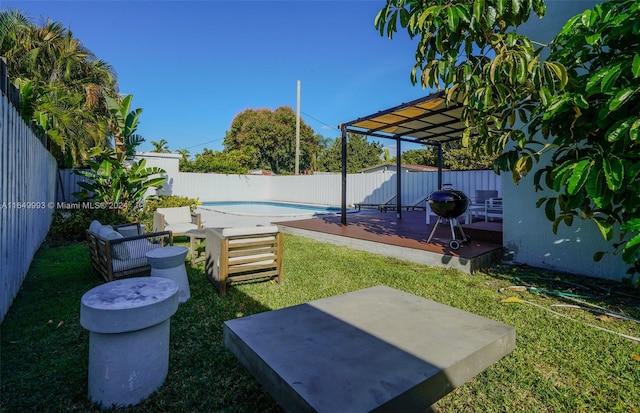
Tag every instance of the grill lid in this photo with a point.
(448, 203)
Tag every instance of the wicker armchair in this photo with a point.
(119, 251)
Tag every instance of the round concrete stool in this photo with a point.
(129, 325)
(168, 262)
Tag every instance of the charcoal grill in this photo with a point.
(448, 203)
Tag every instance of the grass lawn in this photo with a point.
(560, 364)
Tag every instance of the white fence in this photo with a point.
(27, 196)
(321, 189)
(324, 189)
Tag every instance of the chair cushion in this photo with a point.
(180, 228)
(121, 265)
(138, 248)
(128, 231)
(176, 215)
(119, 251)
(95, 226)
(242, 231)
(107, 232)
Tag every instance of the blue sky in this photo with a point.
(194, 65)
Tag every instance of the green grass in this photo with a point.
(559, 364)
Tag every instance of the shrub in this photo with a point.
(163, 201)
(69, 226)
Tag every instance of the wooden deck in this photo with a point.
(406, 238)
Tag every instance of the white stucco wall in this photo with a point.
(167, 161)
(527, 232)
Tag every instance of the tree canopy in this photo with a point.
(63, 85)
(580, 105)
(238, 161)
(454, 157)
(360, 154)
(273, 136)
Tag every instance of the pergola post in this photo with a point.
(398, 178)
(439, 145)
(343, 219)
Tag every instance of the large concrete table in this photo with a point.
(377, 349)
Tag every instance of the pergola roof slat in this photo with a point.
(424, 119)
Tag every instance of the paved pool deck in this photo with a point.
(216, 219)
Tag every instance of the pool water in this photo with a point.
(268, 208)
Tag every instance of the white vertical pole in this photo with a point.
(297, 171)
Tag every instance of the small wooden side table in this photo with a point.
(195, 234)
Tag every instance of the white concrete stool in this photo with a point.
(168, 262)
(129, 325)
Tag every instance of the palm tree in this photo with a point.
(184, 153)
(62, 85)
(13, 26)
(160, 146)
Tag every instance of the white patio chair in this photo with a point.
(493, 209)
(178, 220)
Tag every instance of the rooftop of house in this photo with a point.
(392, 166)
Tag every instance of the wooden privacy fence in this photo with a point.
(27, 198)
(7, 88)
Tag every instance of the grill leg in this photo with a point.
(433, 231)
(464, 236)
(451, 224)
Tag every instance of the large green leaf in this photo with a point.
(453, 18)
(561, 175)
(631, 225)
(560, 71)
(622, 97)
(105, 169)
(611, 75)
(635, 66)
(631, 250)
(155, 182)
(605, 227)
(613, 172)
(595, 79)
(579, 176)
(550, 209)
(618, 130)
(478, 10)
(585, 18)
(404, 17)
(634, 130)
(593, 38)
(595, 185)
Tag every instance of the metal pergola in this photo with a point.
(427, 121)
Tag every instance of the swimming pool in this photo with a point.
(267, 208)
